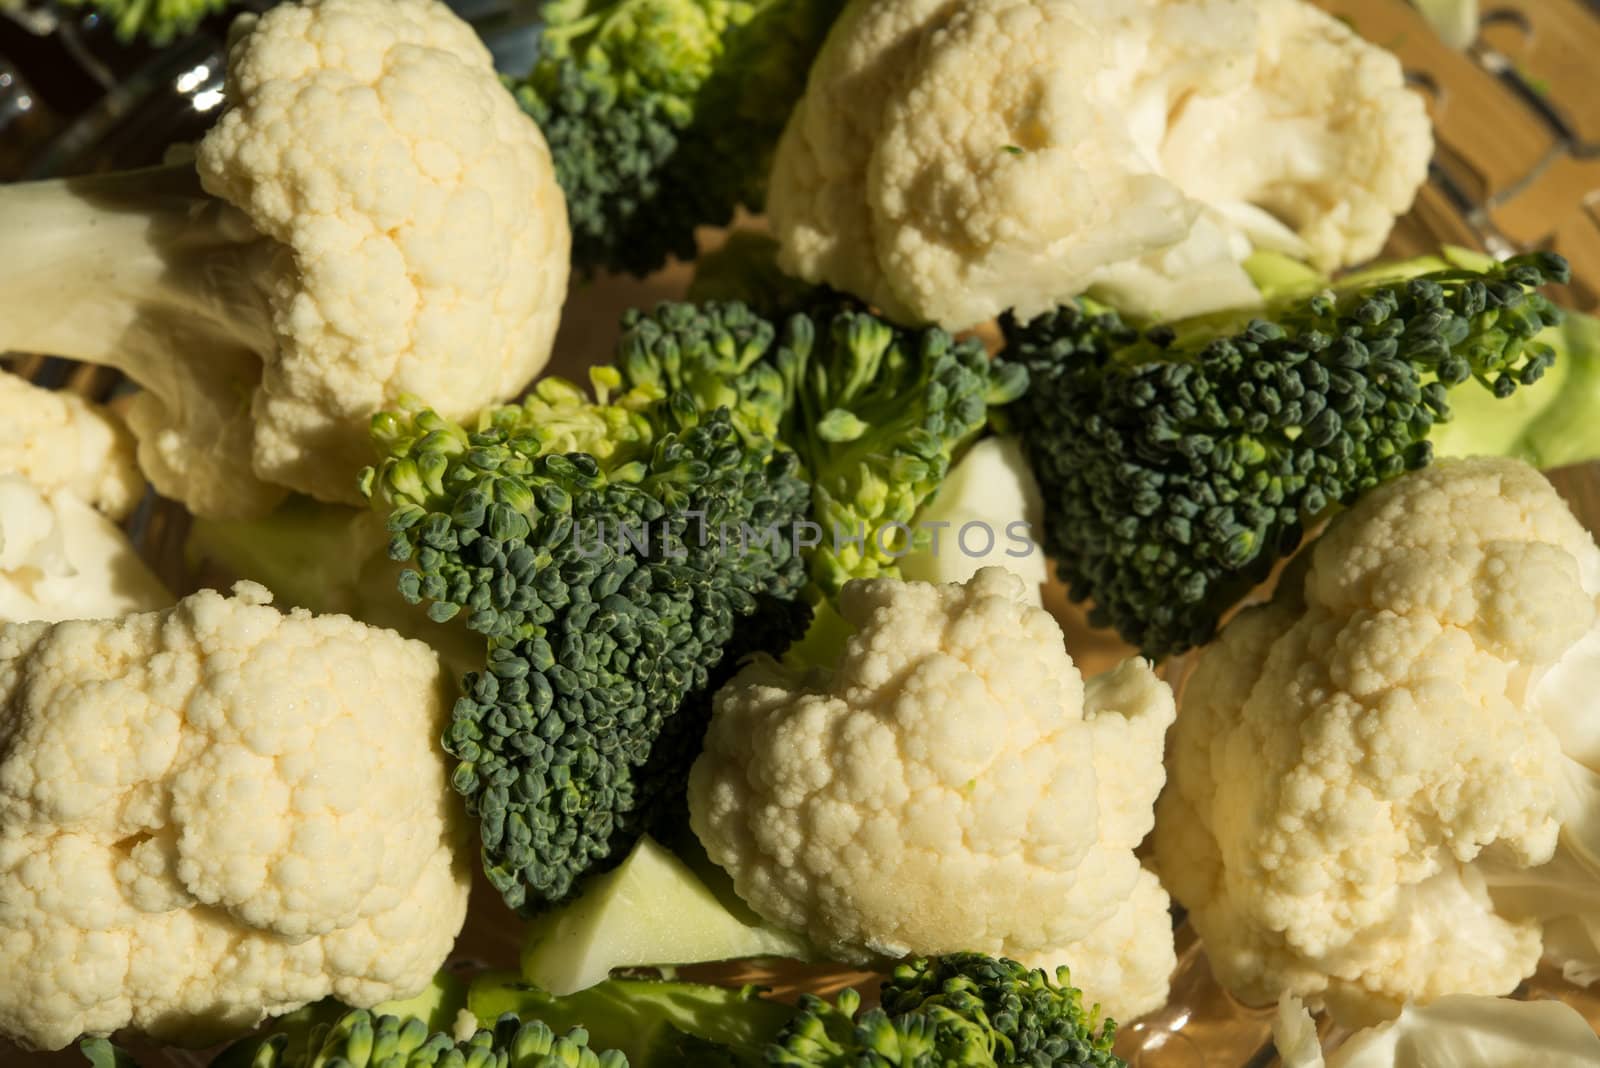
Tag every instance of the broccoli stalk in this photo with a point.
(617, 555)
(965, 1010)
(663, 115)
(1179, 463)
(144, 272)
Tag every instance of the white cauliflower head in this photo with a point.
(952, 159)
(58, 441)
(951, 784)
(372, 216)
(1368, 781)
(214, 812)
(423, 241)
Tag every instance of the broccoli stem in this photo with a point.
(143, 272)
(97, 266)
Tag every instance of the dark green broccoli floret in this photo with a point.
(600, 549)
(662, 115)
(157, 21)
(875, 412)
(965, 1010)
(1178, 464)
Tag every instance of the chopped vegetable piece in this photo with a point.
(950, 781)
(592, 543)
(1179, 463)
(1384, 786)
(662, 115)
(875, 412)
(961, 1011)
(651, 910)
(371, 214)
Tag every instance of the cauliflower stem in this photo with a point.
(145, 272)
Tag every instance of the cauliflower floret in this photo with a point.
(1459, 1031)
(1368, 779)
(382, 220)
(59, 441)
(60, 559)
(217, 812)
(952, 160)
(950, 785)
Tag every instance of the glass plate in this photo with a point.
(1517, 167)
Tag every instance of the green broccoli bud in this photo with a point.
(964, 1011)
(722, 355)
(1179, 463)
(880, 414)
(875, 412)
(663, 115)
(362, 1039)
(652, 1022)
(1553, 423)
(611, 595)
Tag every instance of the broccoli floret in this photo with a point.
(156, 21)
(612, 553)
(875, 412)
(363, 1039)
(1036, 1021)
(1179, 463)
(965, 1010)
(962, 1010)
(663, 115)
